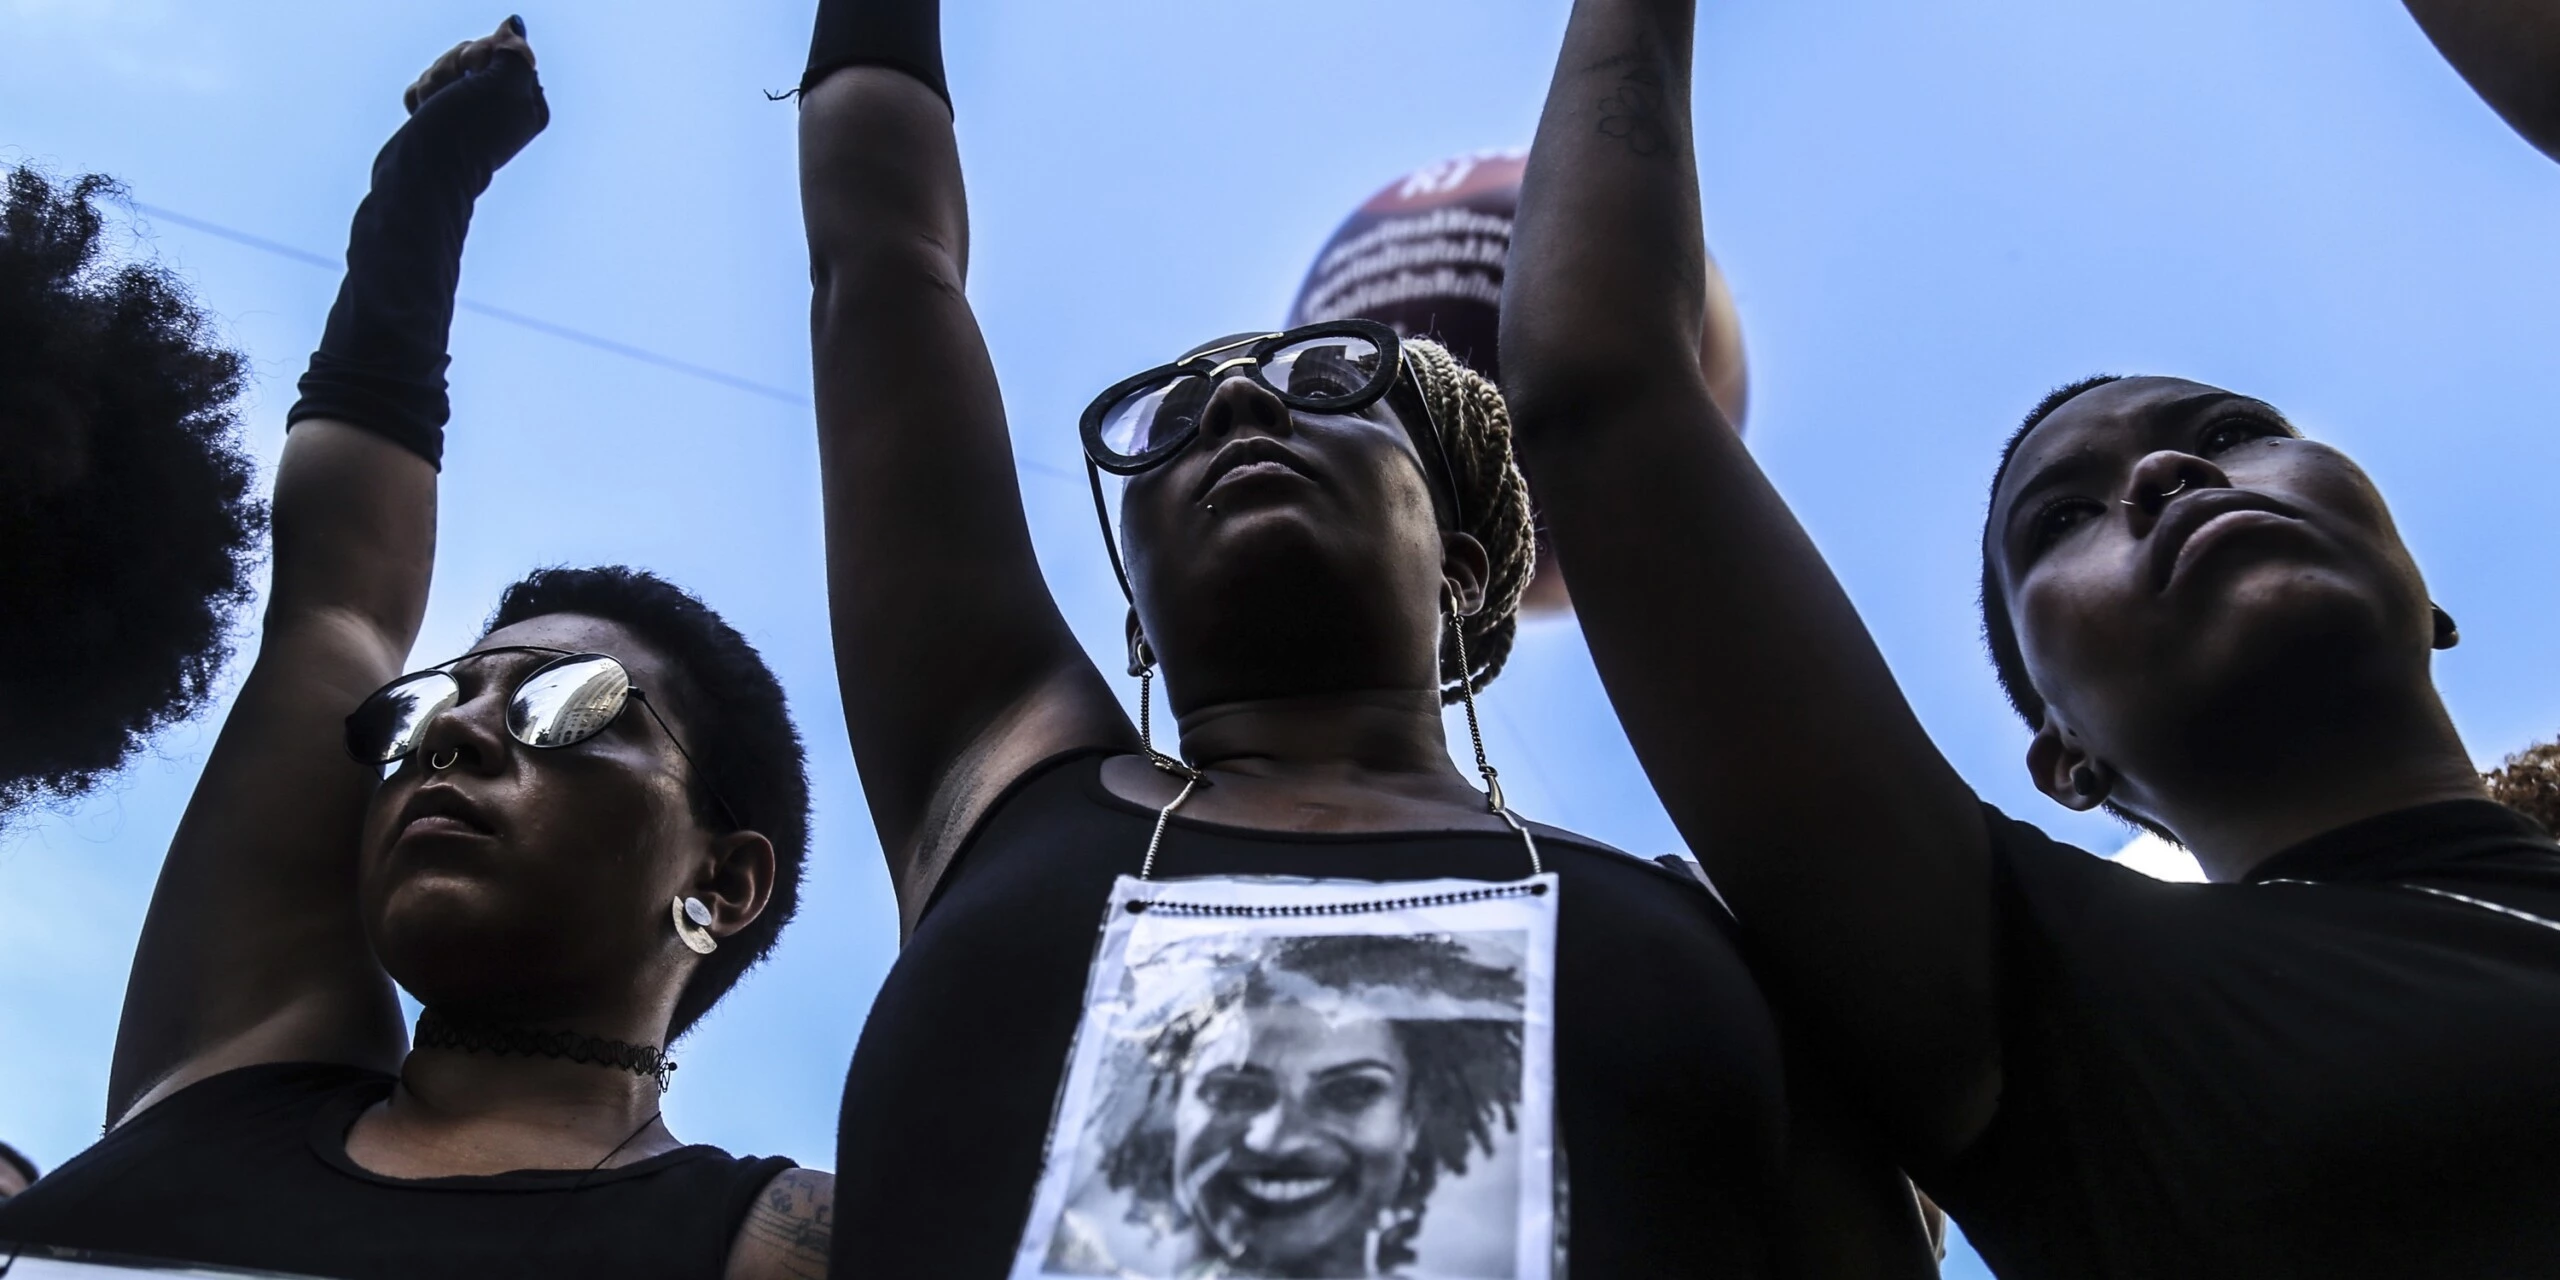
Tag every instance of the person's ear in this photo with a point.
(736, 881)
(1140, 656)
(1464, 568)
(2064, 770)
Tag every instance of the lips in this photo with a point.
(1285, 1194)
(443, 810)
(2188, 517)
(1251, 455)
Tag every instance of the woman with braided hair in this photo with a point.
(1323, 539)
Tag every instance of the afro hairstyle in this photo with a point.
(128, 529)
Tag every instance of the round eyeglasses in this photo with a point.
(559, 703)
(1336, 366)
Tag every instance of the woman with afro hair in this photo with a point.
(127, 525)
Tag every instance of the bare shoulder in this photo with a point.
(786, 1234)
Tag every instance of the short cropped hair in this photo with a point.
(126, 500)
(738, 729)
(1997, 632)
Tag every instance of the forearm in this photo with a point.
(2509, 51)
(355, 499)
(1607, 274)
(1744, 677)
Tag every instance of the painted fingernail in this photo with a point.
(515, 24)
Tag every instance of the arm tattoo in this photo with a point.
(790, 1228)
(1633, 113)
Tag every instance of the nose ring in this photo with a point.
(445, 759)
(2164, 496)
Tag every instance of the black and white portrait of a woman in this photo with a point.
(1325, 1105)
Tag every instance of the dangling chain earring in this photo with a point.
(1145, 670)
(1475, 733)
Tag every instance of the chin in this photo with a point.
(2295, 633)
(447, 941)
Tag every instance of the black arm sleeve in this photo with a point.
(903, 34)
(381, 361)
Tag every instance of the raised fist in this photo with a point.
(482, 97)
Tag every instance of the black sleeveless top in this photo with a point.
(2348, 1078)
(249, 1168)
(1669, 1086)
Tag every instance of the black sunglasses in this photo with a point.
(1337, 366)
(559, 703)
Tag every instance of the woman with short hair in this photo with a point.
(2333, 1062)
(568, 843)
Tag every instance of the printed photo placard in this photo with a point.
(1308, 1078)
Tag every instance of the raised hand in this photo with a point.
(252, 951)
(483, 95)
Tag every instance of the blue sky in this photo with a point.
(1929, 215)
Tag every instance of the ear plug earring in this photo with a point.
(2447, 634)
(692, 919)
(2084, 780)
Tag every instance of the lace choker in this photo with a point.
(436, 1031)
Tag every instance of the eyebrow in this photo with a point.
(1364, 1064)
(2185, 409)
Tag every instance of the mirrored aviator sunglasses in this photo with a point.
(1338, 366)
(560, 703)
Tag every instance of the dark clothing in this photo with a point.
(249, 1168)
(2345, 1078)
(1669, 1085)
(902, 34)
(381, 360)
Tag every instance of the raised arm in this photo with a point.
(2510, 52)
(1765, 717)
(957, 670)
(252, 950)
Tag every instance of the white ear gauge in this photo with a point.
(691, 917)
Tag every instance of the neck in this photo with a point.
(2243, 797)
(1377, 735)
(582, 1102)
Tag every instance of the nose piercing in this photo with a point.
(445, 759)
(2164, 496)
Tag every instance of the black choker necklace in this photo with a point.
(436, 1031)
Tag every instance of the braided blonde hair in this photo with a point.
(1475, 429)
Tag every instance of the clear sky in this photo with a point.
(1929, 214)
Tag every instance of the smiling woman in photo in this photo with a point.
(1293, 1110)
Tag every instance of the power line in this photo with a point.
(535, 323)
(517, 318)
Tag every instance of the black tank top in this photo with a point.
(249, 1168)
(1668, 1079)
